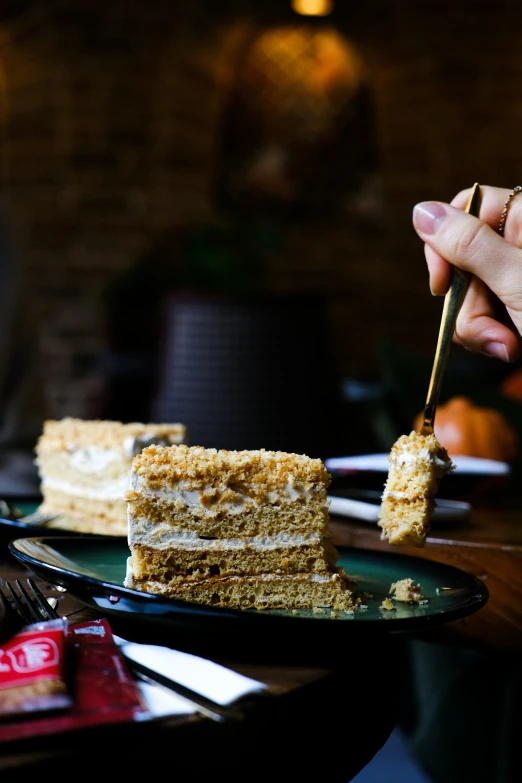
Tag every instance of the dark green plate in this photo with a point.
(92, 569)
(17, 528)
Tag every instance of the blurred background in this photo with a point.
(205, 217)
(206, 211)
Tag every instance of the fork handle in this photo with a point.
(203, 705)
(452, 304)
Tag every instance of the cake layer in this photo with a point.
(204, 558)
(406, 522)
(59, 502)
(88, 523)
(85, 514)
(152, 522)
(263, 591)
(93, 487)
(70, 435)
(61, 466)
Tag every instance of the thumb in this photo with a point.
(473, 246)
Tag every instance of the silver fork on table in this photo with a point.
(31, 606)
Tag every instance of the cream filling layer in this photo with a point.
(104, 490)
(93, 460)
(184, 495)
(161, 536)
(401, 495)
(407, 457)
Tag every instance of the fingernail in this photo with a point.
(427, 216)
(498, 350)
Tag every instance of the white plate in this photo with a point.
(365, 505)
(379, 463)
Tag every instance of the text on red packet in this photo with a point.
(29, 653)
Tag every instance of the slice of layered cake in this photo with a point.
(84, 470)
(243, 529)
(417, 464)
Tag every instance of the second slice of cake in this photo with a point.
(84, 470)
(243, 529)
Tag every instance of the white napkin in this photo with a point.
(207, 678)
(160, 703)
(379, 462)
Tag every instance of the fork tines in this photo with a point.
(37, 518)
(30, 605)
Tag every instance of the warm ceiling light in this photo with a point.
(313, 7)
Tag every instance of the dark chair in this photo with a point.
(247, 372)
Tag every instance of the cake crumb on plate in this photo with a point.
(407, 591)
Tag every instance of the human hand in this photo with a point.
(490, 319)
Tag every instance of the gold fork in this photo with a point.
(452, 304)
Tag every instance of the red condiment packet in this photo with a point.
(102, 688)
(32, 670)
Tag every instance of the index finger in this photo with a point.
(492, 203)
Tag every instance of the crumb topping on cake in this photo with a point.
(69, 434)
(209, 477)
(416, 448)
(201, 464)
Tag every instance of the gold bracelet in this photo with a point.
(506, 206)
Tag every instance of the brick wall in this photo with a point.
(109, 118)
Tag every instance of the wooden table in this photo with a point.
(464, 679)
(488, 545)
(330, 713)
